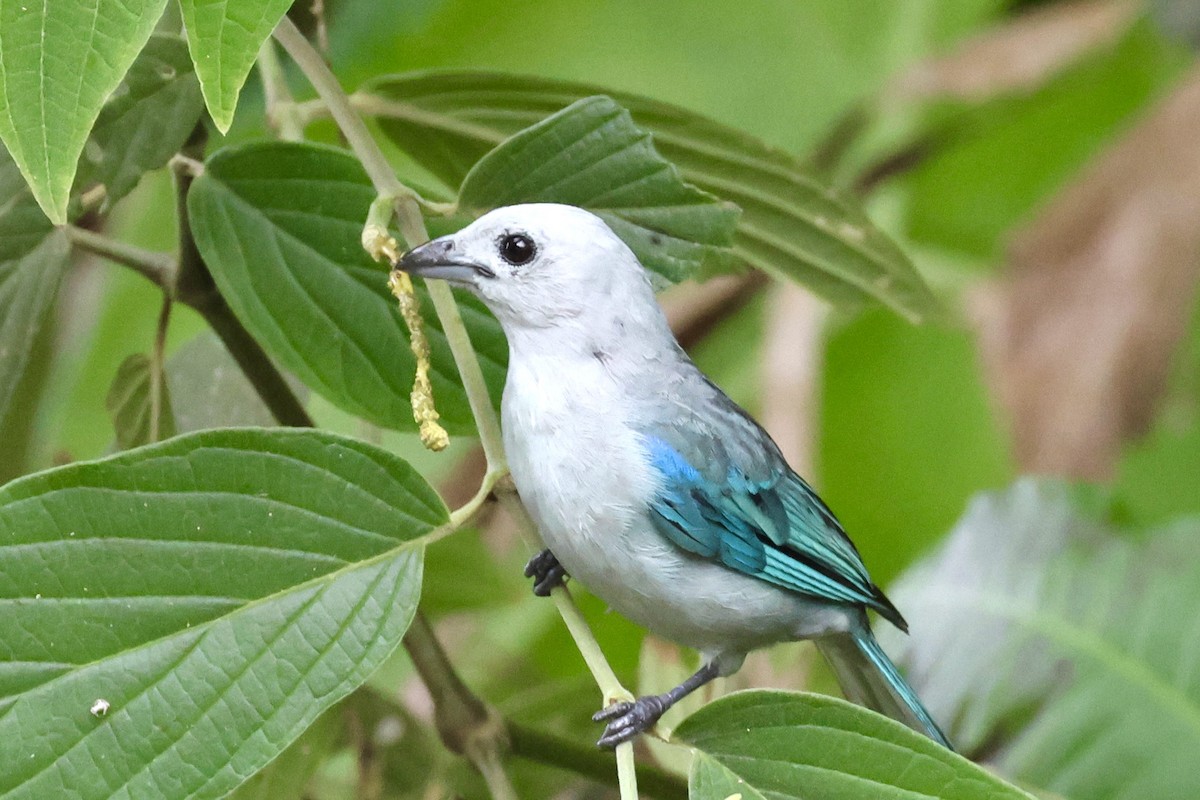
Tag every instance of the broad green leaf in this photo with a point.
(58, 63)
(1065, 651)
(279, 225)
(591, 155)
(146, 121)
(792, 224)
(790, 745)
(224, 37)
(985, 178)
(710, 780)
(218, 591)
(34, 256)
(128, 403)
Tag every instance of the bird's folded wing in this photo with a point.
(728, 495)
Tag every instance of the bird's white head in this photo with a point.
(541, 266)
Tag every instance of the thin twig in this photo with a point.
(589, 648)
(466, 724)
(282, 114)
(159, 268)
(157, 368)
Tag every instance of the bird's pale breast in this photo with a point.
(582, 471)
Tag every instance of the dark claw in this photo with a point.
(546, 573)
(627, 720)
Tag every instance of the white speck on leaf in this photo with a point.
(100, 707)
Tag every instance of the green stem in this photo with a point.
(492, 769)
(592, 762)
(626, 766)
(412, 227)
(467, 511)
(589, 648)
(353, 128)
(159, 268)
(157, 368)
(282, 113)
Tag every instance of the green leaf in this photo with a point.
(224, 37)
(710, 780)
(1065, 651)
(128, 403)
(34, 256)
(58, 63)
(792, 224)
(146, 121)
(591, 155)
(218, 591)
(789, 745)
(280, 226)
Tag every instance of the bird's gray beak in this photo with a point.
(437, 259)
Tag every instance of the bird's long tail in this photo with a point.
(869, 677)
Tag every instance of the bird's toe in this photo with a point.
(627, 720)
(612, 711)
(546, 572)
(546, 583)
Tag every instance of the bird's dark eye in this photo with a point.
(517, 249)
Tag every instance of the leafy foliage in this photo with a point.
(791, 224)
(964, 202)
(33, 260)
(797, 745)
(129, 402)
(58, 63)
(224, 37)
(591, 155)
(146, 121)
(238, 580)
(216, 613)
(1037, 628)
(280, 226)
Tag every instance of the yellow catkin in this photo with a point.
(433, 435)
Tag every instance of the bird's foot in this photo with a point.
(546, 572)
(626, 720)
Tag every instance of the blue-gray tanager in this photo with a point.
(645, 481)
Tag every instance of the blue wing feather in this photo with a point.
(757, 516)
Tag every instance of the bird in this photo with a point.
(646, 482)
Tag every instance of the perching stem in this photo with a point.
(412, 227)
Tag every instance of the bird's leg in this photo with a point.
(627, 720)
(546, 573)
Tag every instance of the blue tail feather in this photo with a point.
(869, 677)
